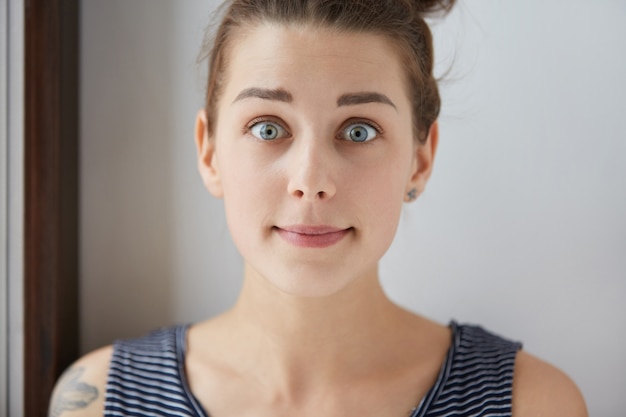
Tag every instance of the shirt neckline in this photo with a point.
(419, 411)
(444, 372)
(181, 349)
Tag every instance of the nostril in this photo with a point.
(321, 195)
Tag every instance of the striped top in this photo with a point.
(147, 377)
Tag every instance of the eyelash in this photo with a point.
(367, 122)
(261, 119)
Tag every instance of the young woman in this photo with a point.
(320, 124)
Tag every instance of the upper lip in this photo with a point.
(305, 229)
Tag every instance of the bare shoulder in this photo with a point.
(540, 389)
(79, 392)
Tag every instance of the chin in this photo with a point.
(303, 282)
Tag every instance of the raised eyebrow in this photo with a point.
(277, 94)
(364, 97)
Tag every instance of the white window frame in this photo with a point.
(11, 207)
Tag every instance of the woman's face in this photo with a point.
(313, 153)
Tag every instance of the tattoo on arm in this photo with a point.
(71, 394)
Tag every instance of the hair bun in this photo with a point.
(433, 7)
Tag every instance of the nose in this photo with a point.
(311, 168)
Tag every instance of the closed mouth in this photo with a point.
(312, 236)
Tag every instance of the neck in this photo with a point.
(297, 335)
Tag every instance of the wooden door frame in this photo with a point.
(51, 45)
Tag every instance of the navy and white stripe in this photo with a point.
(476, 380)
(146, 377)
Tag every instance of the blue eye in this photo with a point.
(268, 131)
(359, 132)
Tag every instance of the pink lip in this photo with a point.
(307, 236)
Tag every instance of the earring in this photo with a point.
(411, 195)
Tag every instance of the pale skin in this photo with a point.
(313, 332)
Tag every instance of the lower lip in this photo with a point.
(302, 240)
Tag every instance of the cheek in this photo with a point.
(249, 191)
(381, 193)
(386, 199)
(388, 174)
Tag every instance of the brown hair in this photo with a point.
(401, 21)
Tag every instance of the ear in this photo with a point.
(207, 161)
(423, 160)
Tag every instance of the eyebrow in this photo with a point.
(277, 94)
(283, 95)
(364, 97)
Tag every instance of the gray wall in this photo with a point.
(12, 186)
(522, 228)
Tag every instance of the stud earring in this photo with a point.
(411, 195)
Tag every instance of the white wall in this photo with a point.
(522, 228)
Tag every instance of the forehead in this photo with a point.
(313, 59)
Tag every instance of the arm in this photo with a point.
(539, 389)
(80, 390)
